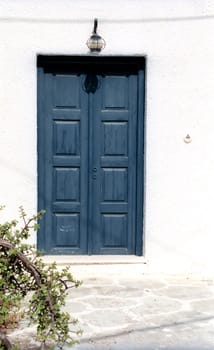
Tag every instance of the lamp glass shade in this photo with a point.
(95, 43)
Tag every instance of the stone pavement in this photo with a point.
(119, 307)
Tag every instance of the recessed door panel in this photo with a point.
(66, 137)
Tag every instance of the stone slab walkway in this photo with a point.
(119, 307)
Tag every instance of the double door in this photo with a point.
(88, 161)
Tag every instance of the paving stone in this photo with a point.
(76, 307)
(206, 306)
(121, 292)
(141, 283)
(108, 290)
(183, 292)
(101, 302)
(81, 291)
(100, 281)
(109, 318)
(156, 305)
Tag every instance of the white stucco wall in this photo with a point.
(177, 38)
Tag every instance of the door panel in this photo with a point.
(88, 162)
(66, 137)
(114, 157)
(66, 164)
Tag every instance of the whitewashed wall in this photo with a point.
(177, 39)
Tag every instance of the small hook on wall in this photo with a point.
(187, 139)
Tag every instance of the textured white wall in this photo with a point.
(177, 38)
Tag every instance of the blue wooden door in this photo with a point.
(88, 145)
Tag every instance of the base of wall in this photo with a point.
(93, 259)
(120, 264)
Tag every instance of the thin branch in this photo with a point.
(25, 261)
(27, 224)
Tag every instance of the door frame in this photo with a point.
(136, 64)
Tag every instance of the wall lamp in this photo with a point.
(95, 43)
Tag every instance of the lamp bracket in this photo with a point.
(95, 26)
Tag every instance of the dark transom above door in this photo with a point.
(90, 151)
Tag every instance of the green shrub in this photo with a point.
(21, 271)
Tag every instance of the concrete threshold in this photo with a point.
(93, 259)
